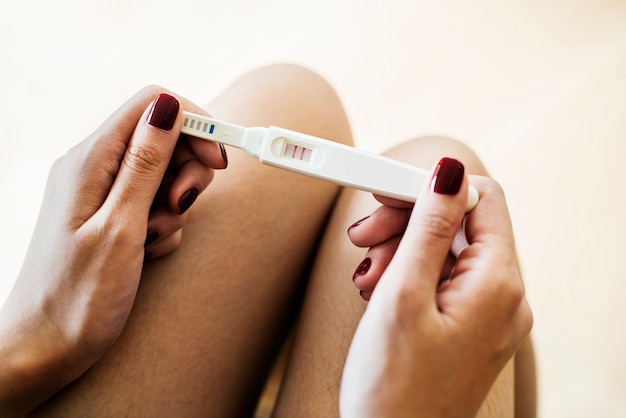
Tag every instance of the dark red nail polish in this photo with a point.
(448, 177)
(187, 199)
(363, 268)
(443, 284)
(151, 236)
(164, 112)
(224, 155)
(359, 222)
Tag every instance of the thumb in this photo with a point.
(435, 220)
(147, 157)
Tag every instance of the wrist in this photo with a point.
(34, 363)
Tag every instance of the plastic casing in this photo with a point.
(328, 160)
(349, 166)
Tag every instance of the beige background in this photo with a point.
(537, 88)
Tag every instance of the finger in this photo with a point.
(192, 176)
(194, 161)
(380, 226)
(376, 261)
(490, 234)
(436, 217)
(102, 153)
(147, 157)
(459, 243)
(492, 222)
(95, 161)
(192, 180)
(162, 223)
(208, 153)
(115, 132)
(164, 247)
(372, 267)
(366, 294)
(490, 259)
(394, 203)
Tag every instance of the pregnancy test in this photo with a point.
(320, 158)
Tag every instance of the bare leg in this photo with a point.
(332, 306)
(208, 319)
(525, 381)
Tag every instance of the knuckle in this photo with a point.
(56, 166)
(438, 225)
(515, 312)
(494, 186)
(527, 319)
(152, 90)
(515, 293)
(74, 155)
(73, 161)
(113, 233)
(144, 158)
(508, 290)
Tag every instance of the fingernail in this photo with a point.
(363, 268)
(448, 177)
(164, 111)
(224, 156)
(357, 223)
(365, 294)
(187, 199)
(443, 284)
(151, 236)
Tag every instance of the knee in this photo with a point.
(299, 99)
(290, 78)
(426, 151)
(289, 84)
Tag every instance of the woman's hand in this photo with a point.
(113, 201)
(438, 329)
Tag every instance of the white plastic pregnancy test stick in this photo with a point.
(317, 157)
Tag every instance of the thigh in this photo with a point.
(333, 307)
(208, 319)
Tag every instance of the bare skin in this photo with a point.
(208, 319)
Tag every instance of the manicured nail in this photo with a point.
(224, 156)
(357, 223)
(164, 111)
(365, 294)
(448, 177)
(151, 236)
(363, 268)
(443, 284)
(187, 199)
